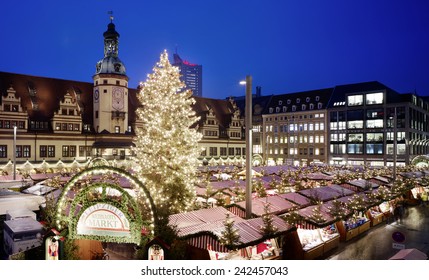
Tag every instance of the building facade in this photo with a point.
(294, 128)
(362, 124)
(373, 125)
(191, 75)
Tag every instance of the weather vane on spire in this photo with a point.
(111, 15)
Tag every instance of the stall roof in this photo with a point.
(38, 189)
(382, 180)
(10, 201)
(269, 170)
(23, 225)
(362, 184)
(277, 204)
(325, 193)
(308, 213)
(347, 199)
(201, 216)
(37, 177)
(296, 198)
(230, 184)
(319, 176)
(409, 175)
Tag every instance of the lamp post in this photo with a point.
(14, 152)
(248, 130)
(394, 143)
(395, 139)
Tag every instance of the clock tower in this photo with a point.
(110, 96)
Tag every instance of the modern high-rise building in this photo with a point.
(192, 75)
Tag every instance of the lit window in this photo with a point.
(374, 98)
(354, 100)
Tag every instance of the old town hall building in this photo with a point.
(70, 121)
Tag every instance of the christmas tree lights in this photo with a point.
(166, 147)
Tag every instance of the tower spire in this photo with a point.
(111, 16)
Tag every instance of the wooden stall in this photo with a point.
(315, 240)
(353, 227)
(203, 228)
(375, 215)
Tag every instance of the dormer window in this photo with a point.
(298, 100)
(280, 102)
(311, 106)
(307, 99)
(317, 98)
(319, 105)
(277, 109)
(284, 109)
(293, 108)
(288, 101)
(271, 110)
(304, 107)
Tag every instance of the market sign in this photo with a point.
(103, 220)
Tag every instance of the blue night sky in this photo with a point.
(286, 46)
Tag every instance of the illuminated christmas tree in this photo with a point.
(166, 147)
(230, 236)
(268, 228)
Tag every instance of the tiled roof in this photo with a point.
(222, 109)
(339, 93)
(298, 99)
(48, 94)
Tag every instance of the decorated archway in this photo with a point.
(257, 160)
(421, 161)
(93, 205)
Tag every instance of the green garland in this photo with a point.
(88, 194)
(125, 205)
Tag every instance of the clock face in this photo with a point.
(96, 94)
(118, 98)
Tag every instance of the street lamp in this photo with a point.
(248, 131)
(395, 144)
(394, 120)
(14, 152)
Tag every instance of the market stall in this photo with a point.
(358, 222)
(202, 230)
(317, 233)
(375, 215)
